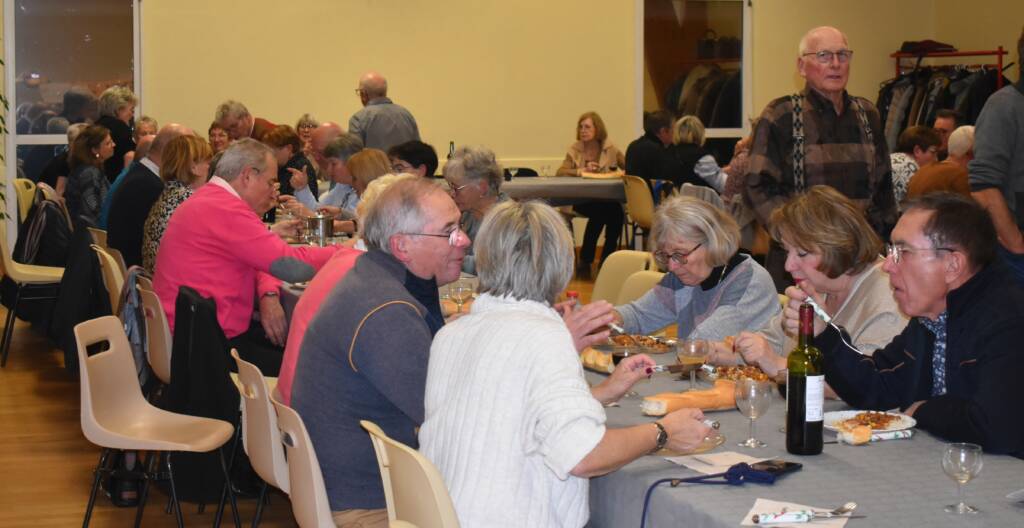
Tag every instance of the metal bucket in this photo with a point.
(319, 229)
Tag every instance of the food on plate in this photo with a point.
(873, 420)
(597, 360)
(722, 396)
(740, 372)
(648, 342)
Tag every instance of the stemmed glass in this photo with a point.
(961, 462)
(460, 291)
(693, 353)
(753, 398)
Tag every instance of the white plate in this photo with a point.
(832, 419)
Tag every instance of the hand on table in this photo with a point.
(329, 210)
(791, 313)
(287, 228)
(685, 428)
(273, 320)
(756, 350)
(589, 324)
(629, 371)
(722, 353)
(591, 166)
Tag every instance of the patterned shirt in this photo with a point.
(173, 195)
(837, 153)
(938, 327)
(903, 168)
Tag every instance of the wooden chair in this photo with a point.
(413, 488)
(116, 416)
(28, 278)
(308, 494)
(26, 196)
(637, 284)
(616, 268)
(639, 206)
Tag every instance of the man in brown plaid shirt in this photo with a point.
(843, 143)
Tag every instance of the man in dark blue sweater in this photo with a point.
(957, 368)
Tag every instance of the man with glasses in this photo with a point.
(957, 366)
(820, 136)
(414, 157)
(239, 123)
(381, 124)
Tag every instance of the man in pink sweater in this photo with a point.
(216, 244)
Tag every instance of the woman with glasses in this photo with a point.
(711, 290)
(918, 147)
(833, 255)
(474, 182)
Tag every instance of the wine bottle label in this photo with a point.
(815, 402)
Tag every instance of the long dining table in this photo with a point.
(898, 483)
(565, 190)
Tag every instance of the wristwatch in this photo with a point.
(662, 437)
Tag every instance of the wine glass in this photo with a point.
(753, 398)
(460, 291)
(961, 462)
(693, 353)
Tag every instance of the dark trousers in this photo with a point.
(600, 215)
(254, 347)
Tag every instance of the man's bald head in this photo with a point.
(820, 32)
(163, 137)
(143, 145)
(322, 135)
(371, 86)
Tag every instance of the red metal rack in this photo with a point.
(998, 53)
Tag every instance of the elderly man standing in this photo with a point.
(997, 170)
(216, 244)
(136, 195)
(235, 118)
(956, 368)
(820, 136)
(381, 124)
(364, 356)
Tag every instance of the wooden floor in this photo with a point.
(47, 463)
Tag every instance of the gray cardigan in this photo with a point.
(736, 297)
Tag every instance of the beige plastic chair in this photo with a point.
(260, 435)
(26, 196)
(25, 276)
(308, 494)
(637, 285)
(413, 488)
(142, 281)
(616, 268)
(51, 195)
(99, 237)
(639, 205)
(158, 335)
(113, 279)
(703, 193)
(115, 415)
(119, 259)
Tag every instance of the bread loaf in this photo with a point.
(596, 360)
(721, 397)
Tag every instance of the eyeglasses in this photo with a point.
(453, 236)
(825, 56)
(896, 251)
(454, 189)
(680, 259)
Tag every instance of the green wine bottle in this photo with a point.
(805, 391)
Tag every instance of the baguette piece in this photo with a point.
(594, 359)
(721, 397)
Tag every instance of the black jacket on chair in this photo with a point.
(82, 296)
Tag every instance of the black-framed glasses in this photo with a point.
(825, 56)
(679, 258)
(453, 236)
(896, 251)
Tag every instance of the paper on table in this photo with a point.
(762, 506)
(713, 463)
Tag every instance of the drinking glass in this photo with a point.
(961, 462)
(753, 398)
(460, 291)
(693, 353)
(617, 357)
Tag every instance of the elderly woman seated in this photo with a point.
(833, 255)
(474, 182)
(506, 402)
(711, 291)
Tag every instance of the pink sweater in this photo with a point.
(216, 244)
(321, 285)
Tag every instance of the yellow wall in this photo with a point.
(510, 75)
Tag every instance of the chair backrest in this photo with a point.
(144, 282)
(308, 494)
(51, 195)
(260, 434)
(158, 334)
(639, 201)
(616, 268)
(110, 391)
(99, 237)
(637, 285)
(113, 279)
(119, 259)
(26, 195)
(413, 488)
(703, 193)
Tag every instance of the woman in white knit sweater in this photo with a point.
(510, 421)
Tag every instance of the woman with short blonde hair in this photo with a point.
(117, 113)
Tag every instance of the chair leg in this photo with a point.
(231, 492)
(9, 328)
(259, 505)
(227, 477)
(147, 468)
(174, 494)
(104, 454)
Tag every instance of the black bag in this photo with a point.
(729, 48)
(707, 46)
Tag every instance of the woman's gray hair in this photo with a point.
(524, 250)
(343, 147)
(696, 221)
(473, 165)
(114, 98)
(688, 129)
(374, 190)
(397, 210)
(230, 109)
(243, 153)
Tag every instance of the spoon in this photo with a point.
(838, 512)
